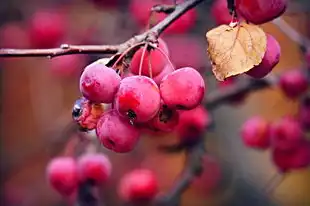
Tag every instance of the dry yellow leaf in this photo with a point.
(235, 50)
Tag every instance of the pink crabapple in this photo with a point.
(260, 11)
(47, 29)
(139, 184)
(95, 167)
(116, 133)
(182, 89)
(165, 120)
(286, 134)
(287, 160)
(255, 133)
(192, 123)
(153, 62)
(62, 175)
(293, 83)
(270, 59)
(99, 83)
(167, 70)
(138, 99)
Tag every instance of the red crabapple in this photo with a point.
(62, 175)
(116, 133)
(286, 134)
(139, 184)
(99, 83)
(47, 29)
(297, 158)
(165, 120)
(293, 83)
(167, 70)
(270, 59)
(138, 98)
(140, 10)
(220, 12)
(304, 114)
(152, 64)
(211, 176)
(182, 89)
(260, 11)
(95, 167)
(192, 123)
(255, 133)
(66, 66)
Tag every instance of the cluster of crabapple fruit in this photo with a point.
(151, 95)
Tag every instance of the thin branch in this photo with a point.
(167, 9)
(65, 49)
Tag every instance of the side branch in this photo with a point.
(65, 49)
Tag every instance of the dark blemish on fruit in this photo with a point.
(165, 114)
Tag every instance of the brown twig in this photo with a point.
(65, 49)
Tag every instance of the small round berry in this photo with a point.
(99, 83)
(167, 70)
(220, 12)
(296, 158)
(140, 184)
(62, 175)
(165, 120)
(116, 133)
(94, 167)
(270, 59)
(255, 133)
(138, 99)
(293, 84)
(192, 123)
(286, 134)
(182, 89)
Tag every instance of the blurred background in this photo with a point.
(37, 95)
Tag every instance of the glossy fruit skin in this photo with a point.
(270, 59)
(260, 11)
(220, 12)
(293, 84)
(116, 133)
(94, 167)
(139, 184)
(47, 29)
(62, 175)
(99, 83)
(189, 86)
(157, 62)
(255, 133)
(287, 160)
(138, 96)
(192, 123)
(286, 134)
(165, 120)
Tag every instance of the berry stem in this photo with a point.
(126, 52)
(150, 66)
(165, 55)
(142, 58)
